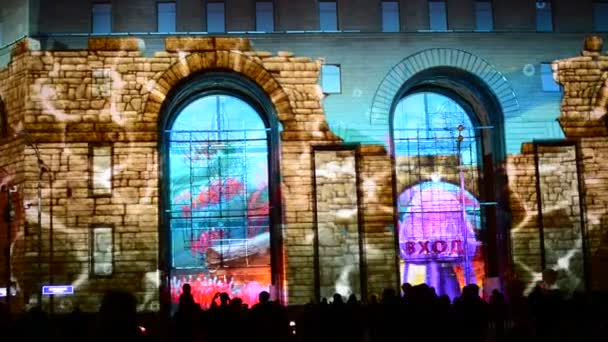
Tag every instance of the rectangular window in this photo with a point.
(102, 250)
(390, 16)
(216, 19)
(438, 20)
(600, 16)
(544, 16)
(546, 77)
(165, 20)
(328, 16)
(483, 16)
(102, 18)
(101, 170)
(330, 79)
(264, 16)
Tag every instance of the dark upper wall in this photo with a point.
(134, 16)
(65, 16)
(190, 16)
(240, 15)
(361, 15)
(414, 15)
(296, 15)
(461, 15)
(515, 15)
(573, 16)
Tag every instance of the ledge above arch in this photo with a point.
(440, 57)
(221, 60)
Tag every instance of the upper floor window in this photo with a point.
(331, 79)
(600, 16)
(216, 19)
(544, 16)
(438, 20)
(328, 16)
(390, 16)
(546, 77)
(483, 16)
(102, 18)
(264, 16)
(165, 12)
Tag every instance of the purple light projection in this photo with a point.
(438, 232)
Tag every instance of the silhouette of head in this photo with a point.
(118, 312)
(224, 298)
(405, 287)
(264, 297)
(186, 288)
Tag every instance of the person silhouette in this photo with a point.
(187, 313)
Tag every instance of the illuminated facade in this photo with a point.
(396, 156)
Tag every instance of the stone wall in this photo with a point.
(567, 243)
(337, 215)
(67, 102)
(377, 207)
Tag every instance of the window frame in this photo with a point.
(92, 246)
(93, 6)
(339, 67)
(445, 14)
(158, 4)
(596, 4)
(272, 15)
(382, 21)
(551, 16)
(92, 188)
(224, 82)
(475, 4)
(207, 16)
(337, 16)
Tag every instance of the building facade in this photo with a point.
(149, 144)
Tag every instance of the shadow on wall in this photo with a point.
(599, 256)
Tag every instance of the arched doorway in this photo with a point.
(435, 145)
(448, 148)
(220, 202)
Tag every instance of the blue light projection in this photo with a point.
(219, 206)
(436, 152)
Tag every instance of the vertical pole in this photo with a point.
(465, 243)
(582, 210)
(39, 235)
(539, 208)
(51, 256)
(8, 220)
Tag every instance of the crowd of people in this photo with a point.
(415, 314)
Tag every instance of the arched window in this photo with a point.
(436, 145)
(218, 206)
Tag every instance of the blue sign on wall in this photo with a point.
(58, 290)
(2, 291)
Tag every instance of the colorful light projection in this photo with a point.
(438, 231)
(435, 146)
(219, 204)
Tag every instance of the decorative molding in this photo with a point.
(440, 57)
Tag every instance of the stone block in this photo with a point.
(116, 44)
